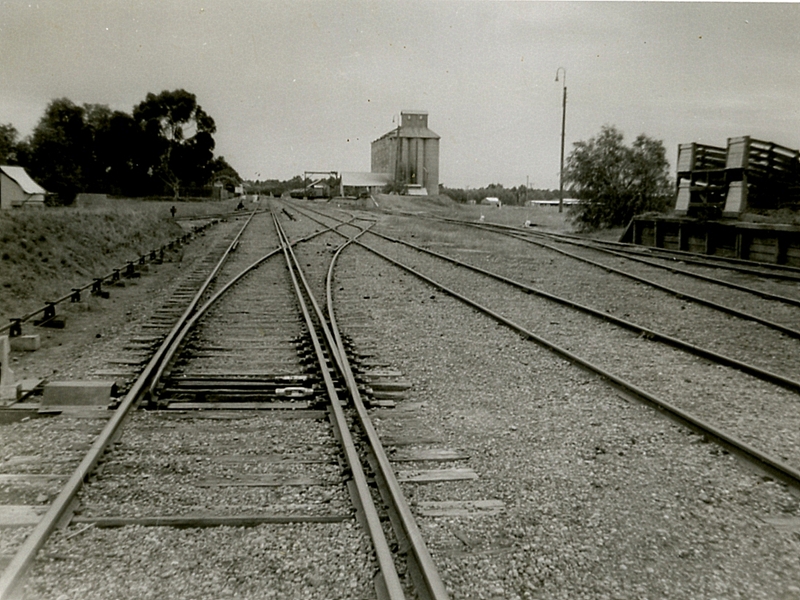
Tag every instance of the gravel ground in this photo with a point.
(603, 497)
(219, 562)
(182, 464)
(751, 409)
(638, 302)
(167, 464)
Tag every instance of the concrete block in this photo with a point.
(10, 393)
(29, 385)
(78, 393)
(26, 343)
(684, 198)
(736, 201)
(6, 374)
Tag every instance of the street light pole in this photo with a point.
(563, 123)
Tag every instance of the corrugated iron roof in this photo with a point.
(417, 132)
(18, 174)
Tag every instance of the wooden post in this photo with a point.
(780, 248)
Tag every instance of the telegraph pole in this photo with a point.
(563, 123)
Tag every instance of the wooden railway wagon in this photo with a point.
(759, 242)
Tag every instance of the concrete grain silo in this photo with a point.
(409, 154)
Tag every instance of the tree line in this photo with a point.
(615, 182)
(165, 146)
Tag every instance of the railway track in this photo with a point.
(597, 497)
(776, 309)
(720, 416)
(250, 400)
(572, 489)
(635, 251)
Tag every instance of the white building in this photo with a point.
(18, 189)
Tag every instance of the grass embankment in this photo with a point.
(44, 253)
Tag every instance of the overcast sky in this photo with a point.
(296, 86)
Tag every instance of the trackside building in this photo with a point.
(18, 189)
(409, 154)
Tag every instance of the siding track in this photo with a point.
(776, 449)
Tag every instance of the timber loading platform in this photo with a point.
(759, 242)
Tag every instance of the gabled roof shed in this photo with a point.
(18, 189)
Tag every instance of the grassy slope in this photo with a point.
(46, 252)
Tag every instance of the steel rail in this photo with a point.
(192, 321)
(766, 375)
(687, 273)
(773, 271)
(144, 386)
(523, 235)
(790, 331)
(737, 264)
(426, 577)
(388, 584)
(679, 294)
(761, 269)
(765, 461)
(711, 355)
(14, 574)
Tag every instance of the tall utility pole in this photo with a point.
(563, 123)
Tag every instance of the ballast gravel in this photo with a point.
(603, 497)
(218, 562)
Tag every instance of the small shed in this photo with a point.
(18, 189)
(358, 182)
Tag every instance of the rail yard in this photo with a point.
(321, 401)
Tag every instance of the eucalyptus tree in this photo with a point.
(178, 143)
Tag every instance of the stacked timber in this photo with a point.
(748, 173)
(702, 185)
(762, 175)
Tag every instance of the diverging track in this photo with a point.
(761, 424)
(251, 470)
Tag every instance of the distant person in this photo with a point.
(528, 223)
(240, 206)
(173, 210)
